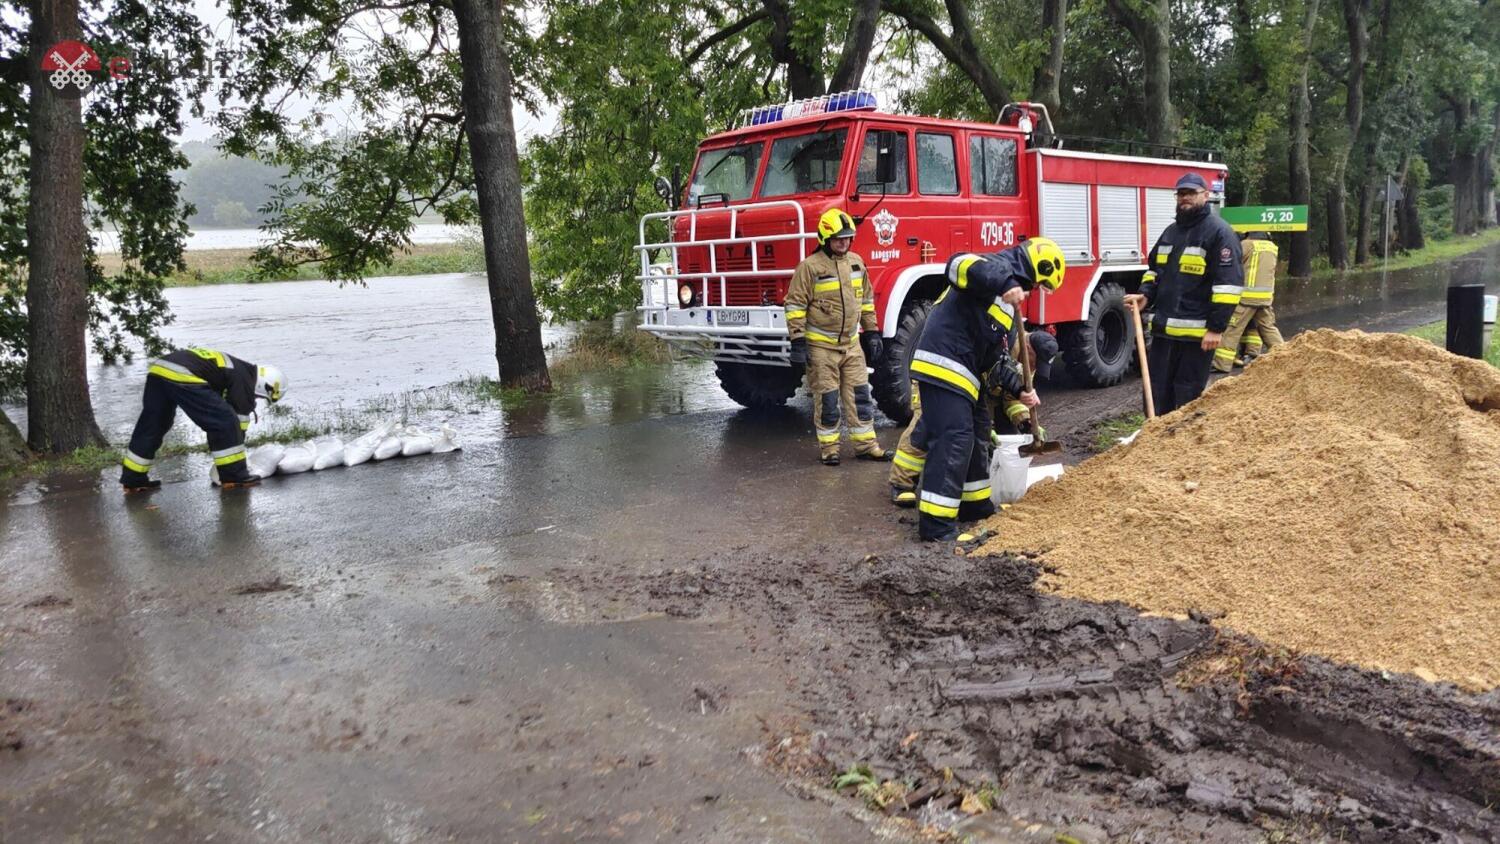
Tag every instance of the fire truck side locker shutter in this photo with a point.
(1161, 210)
(1119, 225)
(1065, 219)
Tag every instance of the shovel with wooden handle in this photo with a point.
(1140, 350)
(1037, 444)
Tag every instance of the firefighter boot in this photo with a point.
(902, 497)
(237, 475)
(134, 481)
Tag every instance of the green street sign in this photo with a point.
(1266, 218)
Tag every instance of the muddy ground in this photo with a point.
(949, 674)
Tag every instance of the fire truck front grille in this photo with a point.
(749, 291)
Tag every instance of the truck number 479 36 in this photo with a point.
(997, 234)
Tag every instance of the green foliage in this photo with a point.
(350, 197)
(1436, 212)
(216, 183)
(589, 183)
(129, 158)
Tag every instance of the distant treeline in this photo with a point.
(227, 191)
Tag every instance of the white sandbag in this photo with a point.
(414, 441)
(388, 448)
(330, 453)
(1008, 469)
(264, 460)
(362, 449)
(298, 458)
(447, 441)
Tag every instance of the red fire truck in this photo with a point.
(714, 271)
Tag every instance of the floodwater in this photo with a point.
(109, 241)
(356, 355)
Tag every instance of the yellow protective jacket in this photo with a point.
(1260, 272)
(830, 300)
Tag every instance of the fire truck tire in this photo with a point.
(1097, 351)
(892, 382)
(759, 387)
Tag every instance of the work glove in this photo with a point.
(798, 352)
(870, 342)
(1006, 373)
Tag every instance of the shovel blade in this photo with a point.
(1042, 447)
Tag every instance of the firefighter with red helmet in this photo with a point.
(830, 317)
(966, 338)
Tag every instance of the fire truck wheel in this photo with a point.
(1097, 351)
(892, 382)
(759, 387)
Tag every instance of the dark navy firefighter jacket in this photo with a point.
(1195, 279)
(969, 330)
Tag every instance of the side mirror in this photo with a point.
(885, 158)
(664, 189)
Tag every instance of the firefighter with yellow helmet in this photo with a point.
(964, 349)
(830, 318)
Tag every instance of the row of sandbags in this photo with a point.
(386, 441)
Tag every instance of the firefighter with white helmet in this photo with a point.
(964, 348)
(218, 392)
(830, 317)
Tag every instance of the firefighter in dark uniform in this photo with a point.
(967, 336)
(1194, 284)
(217, 392)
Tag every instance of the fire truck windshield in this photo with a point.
(726, 171)
(804, 163)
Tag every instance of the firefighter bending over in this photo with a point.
(830, 317)
(218, 393)
(968, 333)
(909, 459)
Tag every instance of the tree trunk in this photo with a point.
(857, 44)
(1485, 178)
(497, 175)
(1300, 171)
(1408, 213)
(1046, 84)
(12, 445)
(804, 75)
(1371, 139)
(60, 416)
(1151, 27)
(1464, 169)
(1338, 223)
(1364, 221)
(959, 50)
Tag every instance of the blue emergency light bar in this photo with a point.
(827, 104)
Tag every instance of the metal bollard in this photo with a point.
(1466, 320)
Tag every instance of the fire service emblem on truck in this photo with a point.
(885, 227)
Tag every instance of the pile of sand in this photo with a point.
(1342, 497)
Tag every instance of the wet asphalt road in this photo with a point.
(385, 653)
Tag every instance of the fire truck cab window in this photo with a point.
(870, 152)
(728, 172)
(804, 164)
(992, 166)
(937, 165)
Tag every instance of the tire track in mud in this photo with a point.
(1087, 716)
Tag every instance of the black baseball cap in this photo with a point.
(1191, 181)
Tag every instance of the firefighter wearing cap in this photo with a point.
(830, 317)
(1193, 284)
(909, 459)
(217, 392)
(966, 338)
(1253, 322)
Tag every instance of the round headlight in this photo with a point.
(685, 295)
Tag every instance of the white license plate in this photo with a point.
(733, 318)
